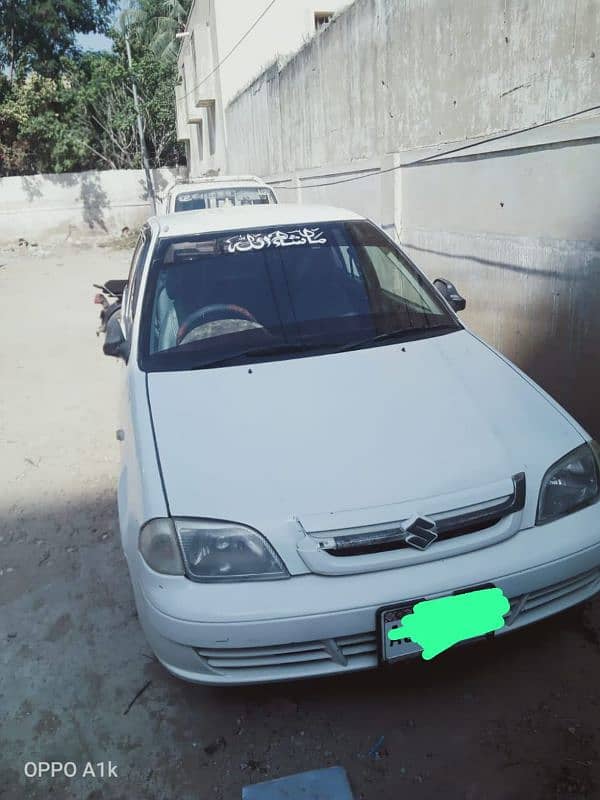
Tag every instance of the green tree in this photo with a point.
(40, 128)
(106, 106)
(80, 114)
(35, 34)
(156, 22)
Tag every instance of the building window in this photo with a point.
(322, 19)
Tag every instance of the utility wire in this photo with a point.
(232, 51)
(439, 156)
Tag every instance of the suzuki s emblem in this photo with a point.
(420, 532)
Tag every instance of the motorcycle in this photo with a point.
(110, 297)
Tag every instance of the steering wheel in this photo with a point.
(211, 313)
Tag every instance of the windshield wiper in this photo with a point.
(291, 348)
(402, 334)
(258, 352)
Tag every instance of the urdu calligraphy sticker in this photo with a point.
(246, 242)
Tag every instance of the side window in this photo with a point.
(135, 275)
(396, 280)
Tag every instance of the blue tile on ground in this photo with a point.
(318, 784)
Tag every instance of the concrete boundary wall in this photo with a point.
(371, 195)
(517, 229)
(56, 207)
(388, 76)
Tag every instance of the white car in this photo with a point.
(312, 443)
(220, 192)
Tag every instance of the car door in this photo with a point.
(132, 290)
(140, 491)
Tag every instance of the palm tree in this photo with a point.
(156, 22)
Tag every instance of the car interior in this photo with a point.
(316, 286)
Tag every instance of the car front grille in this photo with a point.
(449, 525)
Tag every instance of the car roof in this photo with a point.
(226, 183)
(186, 223)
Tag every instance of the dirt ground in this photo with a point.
(506, 720)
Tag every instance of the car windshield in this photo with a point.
(246, 296)
(199, 199)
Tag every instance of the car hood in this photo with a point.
(356, 430)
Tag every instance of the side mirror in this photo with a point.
(115, 343)
(450, 294)
(116, 287)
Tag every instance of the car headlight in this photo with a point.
(570, 484)
(159, 547)
(223, 551)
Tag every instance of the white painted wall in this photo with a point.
(283, 30)
(46, 208)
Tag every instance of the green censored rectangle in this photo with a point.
(436, 625)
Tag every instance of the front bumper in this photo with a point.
(314, 625)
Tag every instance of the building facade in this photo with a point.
(226, 44)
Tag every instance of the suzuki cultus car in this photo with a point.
(312, 443)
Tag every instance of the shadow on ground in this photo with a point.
(509, 719)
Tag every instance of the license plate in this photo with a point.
(475, 613)
(389, 618)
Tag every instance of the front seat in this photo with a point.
(319, 289)
(167, 314)
(186, 288)
(168, 321)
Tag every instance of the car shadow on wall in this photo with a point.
(544, 320)
(571, 376)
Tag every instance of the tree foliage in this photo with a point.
(40, 130)
(79, 114)
(35, 34)
(155, 24)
